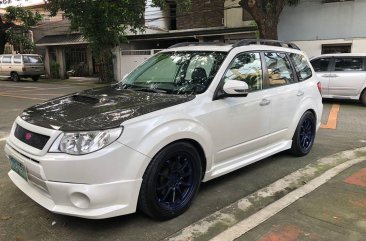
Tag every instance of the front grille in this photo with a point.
(30, 138)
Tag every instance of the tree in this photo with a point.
(15, 25)
(104, 24)
(266, 14)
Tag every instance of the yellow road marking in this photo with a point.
(22, 97)
(332, 118)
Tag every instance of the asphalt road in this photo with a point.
(22, 219)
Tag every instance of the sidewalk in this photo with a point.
(334, 211)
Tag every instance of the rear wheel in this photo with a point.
(35, 78)
(304, 136)
(14, 76)
(170, 182)
(363, 97)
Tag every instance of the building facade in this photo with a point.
(325, 26)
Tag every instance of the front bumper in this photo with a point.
(98, 185)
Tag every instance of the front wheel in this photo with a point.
(363, 97)
(171, 181)
(304, 136)
(35, 78)
(14, 76)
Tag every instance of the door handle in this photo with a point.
(327, 75)
(300, 93)
(333, 76)
(265, 102)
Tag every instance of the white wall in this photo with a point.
(155, 17)
(233, 15)
(314, 20)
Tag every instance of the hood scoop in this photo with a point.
(85, 99)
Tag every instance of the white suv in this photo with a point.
(191, 113)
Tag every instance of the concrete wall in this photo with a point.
(233, 15)
(314, 20)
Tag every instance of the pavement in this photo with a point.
(333, 207)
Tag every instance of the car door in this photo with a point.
(347, 77)
(6, 65)
(239, 125)
(322, 67)
(283, 94)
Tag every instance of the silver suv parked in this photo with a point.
(343, 76)
(21, 65)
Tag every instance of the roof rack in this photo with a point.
(246, 42)
(185, 44)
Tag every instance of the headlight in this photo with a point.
(79, 143)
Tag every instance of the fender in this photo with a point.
(153, 137)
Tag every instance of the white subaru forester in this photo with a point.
(189, 114)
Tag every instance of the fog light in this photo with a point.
(80, 200)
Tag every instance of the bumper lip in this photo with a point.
(45, 200)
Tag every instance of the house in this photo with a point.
(325, 26)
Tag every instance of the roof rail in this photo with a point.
(246, 42)
(184, 44)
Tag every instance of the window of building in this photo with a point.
(172, 14)
(321, 65)
(348, 64)
(336, 48)
(247, 67)
(301, 65)
(279, 69)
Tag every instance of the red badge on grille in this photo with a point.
(28, 136)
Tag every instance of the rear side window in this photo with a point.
(302, 66)
(29, 59)
(17, 59)
(348, 64)
(6, 60)
(279, 69)
(321, 65)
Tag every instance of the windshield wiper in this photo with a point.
(145, 89)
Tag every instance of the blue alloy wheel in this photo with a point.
(171, 181)
(304, 135)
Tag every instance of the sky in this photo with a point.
(23, 3)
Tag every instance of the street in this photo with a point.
(22, 219)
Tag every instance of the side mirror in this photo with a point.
(235, 88)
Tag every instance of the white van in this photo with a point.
(21, 66)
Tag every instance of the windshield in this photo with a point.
(176, 72)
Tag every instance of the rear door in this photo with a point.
(284, 94)
(348, 76)
(322, 67)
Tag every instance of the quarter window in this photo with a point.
(321, 65)
(348, 64)
(247, 67)
(302, 66)
(279, 69)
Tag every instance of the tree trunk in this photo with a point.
(267, 28)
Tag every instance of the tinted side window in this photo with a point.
(17, 59)
(321, 65)
(302, 66)
(6, 59)
(279, 69)
(246, 67)
(348, 64)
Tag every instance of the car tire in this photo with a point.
(363, 97)
(171, 181)
(304, 136)
(14, 76)
(35, 78)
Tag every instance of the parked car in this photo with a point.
(343, 76)
(189, 114)
(21, 66)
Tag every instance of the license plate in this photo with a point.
(19, 168)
